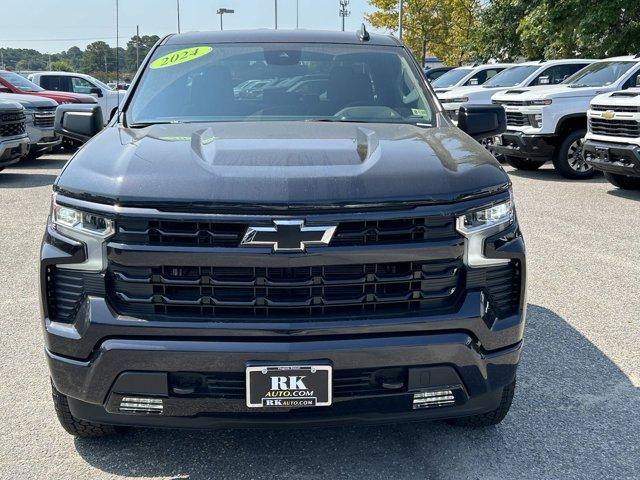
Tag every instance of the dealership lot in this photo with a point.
(575, 414)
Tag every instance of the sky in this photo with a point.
(52, 26)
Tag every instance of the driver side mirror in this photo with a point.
(481, 121)
(638, 81)
(96, 91)
(79, 121)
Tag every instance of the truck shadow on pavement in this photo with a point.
(628, 194)
(575, 415)
(25, 180)
(549, 174)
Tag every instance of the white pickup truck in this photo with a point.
(107, 98)
(549, 123)
(526, 74)
(612, 143)
(467, 76)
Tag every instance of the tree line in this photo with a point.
(459, 31)
(97, 59)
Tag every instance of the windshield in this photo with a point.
(97, 82)
(599, 74)
(511, 76)
(293, 81)
(20, 82)
(451, 78)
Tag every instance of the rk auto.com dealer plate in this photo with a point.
(287, 386)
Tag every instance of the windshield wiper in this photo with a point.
(148, 124)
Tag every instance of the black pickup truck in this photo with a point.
(281, 228)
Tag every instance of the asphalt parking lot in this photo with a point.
(575, 414)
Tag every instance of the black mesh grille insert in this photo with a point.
(501, 285)
(231, 385)
(229, 234)
(244, 293)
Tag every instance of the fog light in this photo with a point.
(141, 405)
(434, 398)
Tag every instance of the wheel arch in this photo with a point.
(570, 123)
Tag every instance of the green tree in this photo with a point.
(137, 49)
(61, 66)
(98, 57)
(440, 27)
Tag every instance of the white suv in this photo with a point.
(526, 74)
(612, 143)
(550, 122)
(467, 76)
(107, 98)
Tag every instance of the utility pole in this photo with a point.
(276, 7)
(400, 16)
(50, 62)
(297, 14)
(178, 9)
(137, 46)
(2, 59)
(343, 11)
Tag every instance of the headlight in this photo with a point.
(86, 227)
(476, 226)
(546, 101)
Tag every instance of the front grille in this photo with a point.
(615, 128)
(12, 124)
(232, 385)
(66, 290)
(518, 119)
(44, 117)
(318, 292)
(615, 108)
(228, 234)
(514, 103)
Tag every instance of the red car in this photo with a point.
(11, 82)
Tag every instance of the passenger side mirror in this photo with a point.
(96, 91)
(481, 121)
(544, 80)
(79, 121)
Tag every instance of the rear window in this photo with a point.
(271, 82)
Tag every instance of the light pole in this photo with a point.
(297, 14)
(343, 11)
(178, 10)
(222, 11)
(400, 15)
(276, 11)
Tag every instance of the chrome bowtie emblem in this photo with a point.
(608, 114)
(287, 236)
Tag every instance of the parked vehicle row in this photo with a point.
(38, 111)
(14, 142)
(546, 105)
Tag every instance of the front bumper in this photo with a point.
(619, 158)
(11, 151)
(42, 138)
(517, 144)
(90, 356)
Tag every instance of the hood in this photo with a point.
(556, 91)
(281, 164)
(66, 97)
(7, 106)
(28, 101)
(475, 93)
(629, 97)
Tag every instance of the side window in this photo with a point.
(80, 85)
(632, 81)
(478, 79)
(52, 82)
(557, 74)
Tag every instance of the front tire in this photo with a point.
(569, 160)
(75, 426)
(524, 163)
(491, 418)
(622, 181)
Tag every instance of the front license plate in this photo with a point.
(286, 386)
